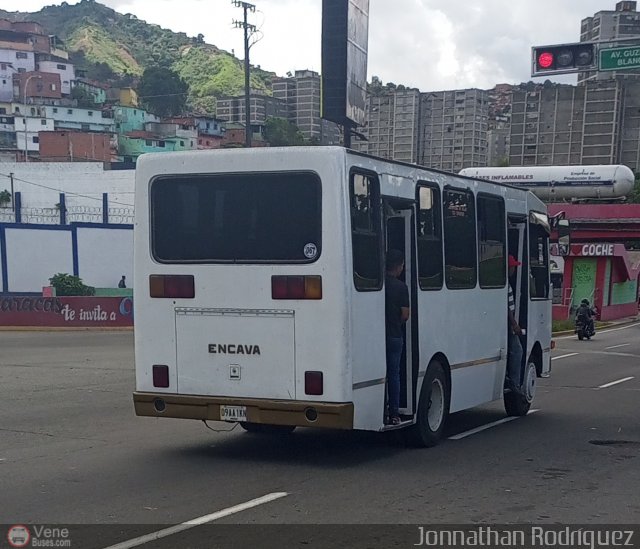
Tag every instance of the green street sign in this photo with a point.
(620, 59)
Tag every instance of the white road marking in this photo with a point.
(564, 356)
(153, 536)
(606, 385)
(487, 426)
(617, 346)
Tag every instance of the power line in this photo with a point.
(64, 192)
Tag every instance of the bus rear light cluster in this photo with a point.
(160, 376)
(172, 286)
(296, 287)
(313, 383)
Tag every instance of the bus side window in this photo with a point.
(364, 196)
(491, 242)
(460, 250)
(430, 263)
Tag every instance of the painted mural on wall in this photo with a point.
(73, 312)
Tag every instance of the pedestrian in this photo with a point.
(514, 352)
(396, 314)
(122, 283)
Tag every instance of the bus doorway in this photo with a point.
(399, 224)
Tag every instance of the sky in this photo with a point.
(427, 44)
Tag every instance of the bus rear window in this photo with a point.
(242, 218)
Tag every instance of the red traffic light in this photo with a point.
(545, 60)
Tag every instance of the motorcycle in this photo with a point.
(584, 326)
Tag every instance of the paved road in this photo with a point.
(72, 451)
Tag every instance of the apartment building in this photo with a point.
(609, 26)
(453, 129)
(392, 124)
(302, 95)
(568, 125)
(262, 106)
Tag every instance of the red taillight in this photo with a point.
(296, 287)
(160, 376)
(172, 286)
(313, 384)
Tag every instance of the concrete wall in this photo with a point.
(82, 182)
(34, 255)
(31, 254)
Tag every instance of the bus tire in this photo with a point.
(433, 408)
(518, 403)
(267, 429)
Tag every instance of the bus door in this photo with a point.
(519, 282)
(399, 225)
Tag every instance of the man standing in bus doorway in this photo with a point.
(396, 314)
(514, 354)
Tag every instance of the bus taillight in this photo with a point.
(296, 287)
(313, 384)
(160, 376)
(172, 286)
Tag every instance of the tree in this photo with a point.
(282, 133)
(5, 197)
(503, 162)
(162, 91)
(83, 96)
(66, 284)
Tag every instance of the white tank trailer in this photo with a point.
(558, 183)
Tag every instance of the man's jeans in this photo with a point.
(514, 360)
(394, 354)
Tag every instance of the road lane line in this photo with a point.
(607, 385)
(617, 346)
(153, 536)
(487, 426)
(564, 356)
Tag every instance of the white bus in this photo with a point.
(259, 284)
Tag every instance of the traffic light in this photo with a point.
(564, 59)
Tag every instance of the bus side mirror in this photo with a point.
(564, 237)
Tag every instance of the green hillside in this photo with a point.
(116, 48)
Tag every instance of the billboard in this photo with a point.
(345, 36)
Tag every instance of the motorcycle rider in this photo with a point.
(588, 313)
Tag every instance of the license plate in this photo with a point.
(233, 413)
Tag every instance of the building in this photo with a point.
(561, 125)
(453, 129)
(96, 90)
(392, 125)
(28, 134)
(156, 137)
(8, 144)
(498, 141)
(47, 63)
(609, 26)
(302, 95)
(630, 131)
(127, 97)
(74, 146)
(210, 130)
(129, 119)
(78, 118)
(37, 85)
(232, 109)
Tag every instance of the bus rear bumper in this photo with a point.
(258, 410)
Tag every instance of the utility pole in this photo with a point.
(13, 200)
(248, 31)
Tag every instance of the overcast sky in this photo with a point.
(428, 44)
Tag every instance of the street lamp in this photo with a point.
(26, 85)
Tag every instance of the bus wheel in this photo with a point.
(519, 403)
(433, 408)
(267, 429)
